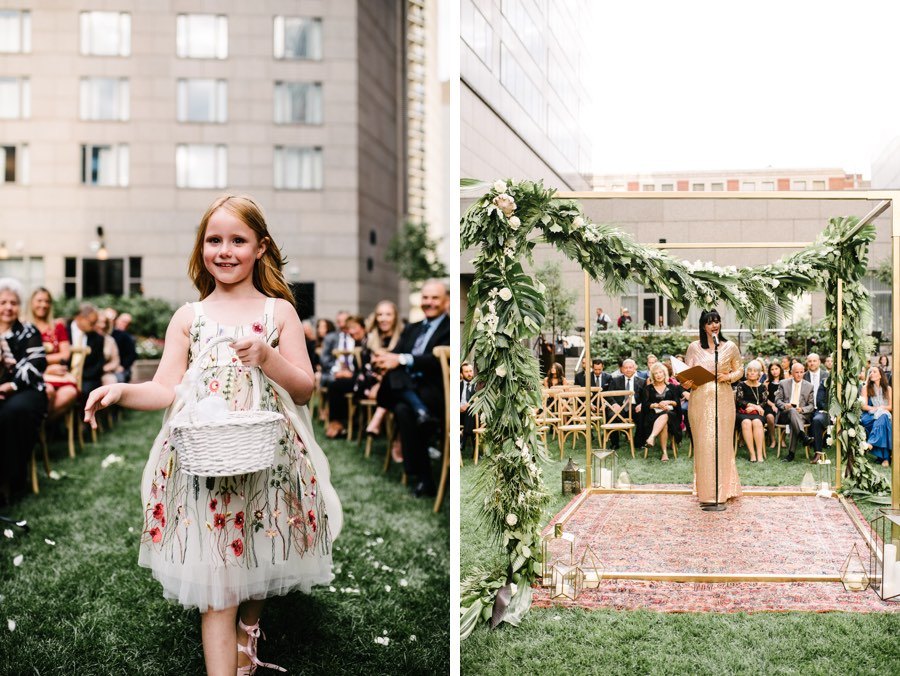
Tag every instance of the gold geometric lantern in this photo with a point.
(556, 550)
(853, 573)
(603, 469)
(566, 581)
(591, 567)
(884, 562)
(823, 472)
(571, 479)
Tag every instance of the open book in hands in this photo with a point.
(696, 374)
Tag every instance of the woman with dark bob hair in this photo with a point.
(702, 411)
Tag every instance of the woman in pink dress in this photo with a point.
(702, 412)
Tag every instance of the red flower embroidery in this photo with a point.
(312, 520)
(313, 481)
(258, 327)
(237, 547)
(219, 520)
(226, 499)
(159, 512)
(214, 386)
(155, 534)
(212, 505)
(239, 520)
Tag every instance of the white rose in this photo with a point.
(555, 228)
(505, 293)
(514, 222)
(775, 283)
(512, 519)
(830, 441)
(500, 186)
(578, 222)
(851, 432)
(500, 371)
(846, 344)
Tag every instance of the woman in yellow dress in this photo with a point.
(702, 412)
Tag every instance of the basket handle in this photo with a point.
(218, 340)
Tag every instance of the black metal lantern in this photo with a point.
(571, 479)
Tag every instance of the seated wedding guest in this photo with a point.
(883, 363)
(876, 418)
(384, 333)
(310, 334)
(81, 334)
(786, 362)
(659, 400)
(651, 360)
(626, 380)
(599, 378)
(466, 391)
(555, 376)
(578, 379)
(337, 353)
(816, 376)
(112, 366)
(344, 378)
(339, 319)
(774, 375)
(412, 366)
(829, 363)
(23, 401)
(127, 346)
(794, 400)
(751, 399)
(62, 390)
(323, 328)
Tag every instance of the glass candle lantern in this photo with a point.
(556, 550)
(567, 581)
(823, 472)
(808, 483)
(571, 479)
(591, 567)
(603, 469)
(884, 563)
(853, 573)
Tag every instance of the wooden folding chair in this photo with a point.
(367, 410)
(571, 407)
(477, 431)
(73, 417)
(617, 422)
(782, 429)
(442, 352)
(546, 417)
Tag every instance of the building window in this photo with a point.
(818, 185)
(202, 36)
(618, 187)
(698, 187)
(106, 33)
(14, 163)
(202, 100)
(476, 32)
(648, 187)
(748, 186)
(298, 103)
(104, 165)
(667, 187)
(105, 98)
(717, 187)
(798, 185)
(135, 283)
(15, 31)
(101, 277)
(298, 168)
(880, 294)
(527, 31)
(201, 166)
(516, 81)
(767, 185)
(15, 98)
(297, 38)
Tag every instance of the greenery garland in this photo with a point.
(504, 316)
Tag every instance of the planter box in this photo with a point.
(143, 370)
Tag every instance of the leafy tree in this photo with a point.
(558, 299)
(884, 273)
(414, 254)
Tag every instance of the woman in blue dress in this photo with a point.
(876, 417)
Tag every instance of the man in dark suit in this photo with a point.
(626, 380)
(599, 377)
(466, 390)
(127, 346)
(412, 366)
(795, 403)
(82, 334)
(818, 377)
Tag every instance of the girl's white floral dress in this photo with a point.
(215, 541)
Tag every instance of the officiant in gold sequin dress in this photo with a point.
(702, 412)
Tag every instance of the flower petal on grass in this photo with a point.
(56, 476)
(11, 624)
(387, 587)
(52, 543)
(404, 582)
(8, 533)
(17, 560)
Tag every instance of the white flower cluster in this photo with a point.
(505, 203)
(707, 266)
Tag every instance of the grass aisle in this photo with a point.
(84, 606)
(557, 640)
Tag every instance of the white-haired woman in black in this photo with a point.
(23, 400)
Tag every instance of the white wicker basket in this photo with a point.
(242, 443)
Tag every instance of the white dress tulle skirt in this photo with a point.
(213, 542)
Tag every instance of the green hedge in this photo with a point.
(150, 316)
(615, 345)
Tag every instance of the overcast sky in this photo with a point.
(715, 84)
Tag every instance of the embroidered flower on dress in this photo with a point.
(219, 520)
(271, 532)
(239, 520)
(237, 547)
(312, 520)
(295, 520)
(159, 511)
(214, 386)
(212, 505)
(155, 533)
(258, 327)
(258, 514)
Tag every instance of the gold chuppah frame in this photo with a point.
(885, 199)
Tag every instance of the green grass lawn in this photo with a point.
(83, 606)
(558, 640)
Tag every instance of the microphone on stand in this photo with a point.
(716, 338)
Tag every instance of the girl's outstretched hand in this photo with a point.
(251, 351)
(102, 397)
